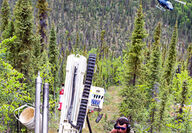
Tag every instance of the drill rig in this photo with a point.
(79, 96)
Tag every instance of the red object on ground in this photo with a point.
(61, 93)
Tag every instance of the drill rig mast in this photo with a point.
(77, 95)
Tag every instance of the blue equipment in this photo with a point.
(167, 4)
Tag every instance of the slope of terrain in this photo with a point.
(110, 113)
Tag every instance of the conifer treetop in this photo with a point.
(5, 12)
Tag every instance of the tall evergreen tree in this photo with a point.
(37, 55)
(135, 58)
(168, 73)
(68, 41)
(164, 54)
(9, 31)
(184, 97)
(53, 48)
(5, 12)
(171, 60)
(61, 69)
(154, 74)
(155, 60)
(24, 32)
(53, 56)
(189, 59)
(146, 64)
(133, 101)
(42, 6)
(101, 51)
(77, 45)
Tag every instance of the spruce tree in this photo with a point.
(53, 57)
(133, 100)
(9, 31)
(155, 60)
(84, 50)
(24, 32)
(101, 52)
(5, 12)
(135, 58)
(164, 54)
(11, 51)
(62, 60)
(184, 96)
(148, 54)
(154, 74)
(77, 42)
(146, 64)
(53, 48)
(37, 54)
(168, 74)
(68, 41)
(171, 60)
(42, 6)
(189, 59)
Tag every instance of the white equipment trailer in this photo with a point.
(77, 96)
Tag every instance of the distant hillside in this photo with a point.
(86, 19)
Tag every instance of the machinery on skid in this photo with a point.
(79, 97)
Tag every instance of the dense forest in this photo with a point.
(143, 50)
